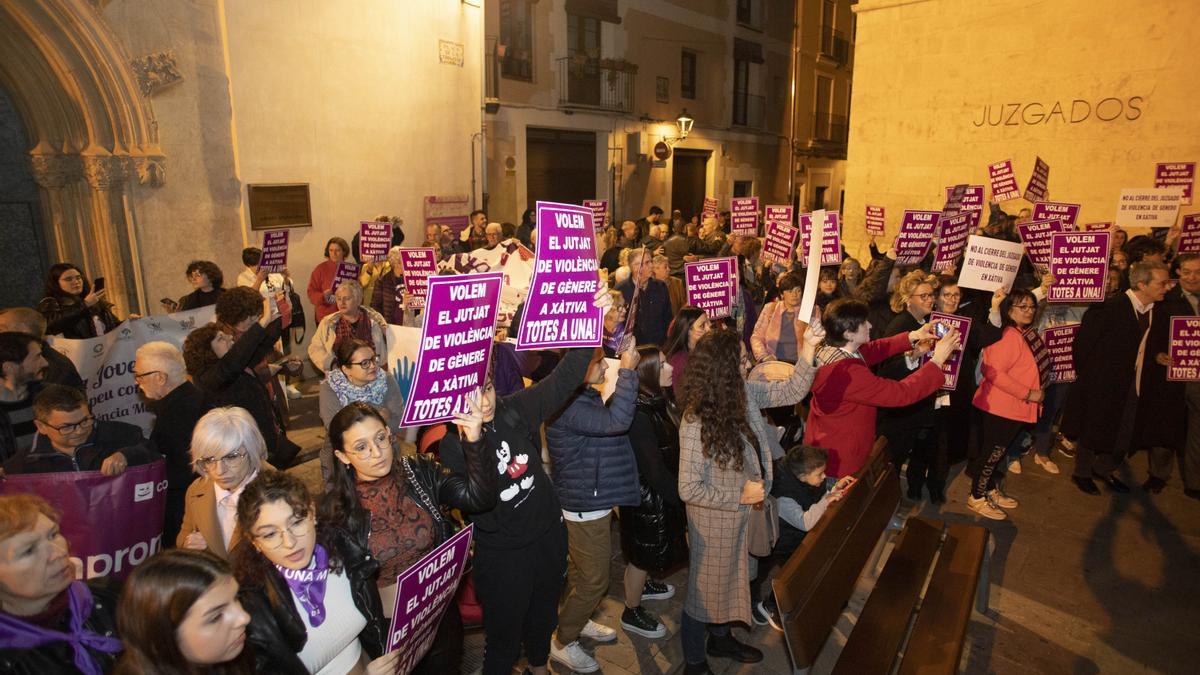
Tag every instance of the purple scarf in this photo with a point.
(308, 585)
(18, 634)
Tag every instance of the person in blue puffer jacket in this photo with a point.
(594, 471)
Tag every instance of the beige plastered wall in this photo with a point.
(925, 70)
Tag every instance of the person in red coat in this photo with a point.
(320, 282)
(845, 393)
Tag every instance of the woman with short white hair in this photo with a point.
(350, 320)
(228, 452)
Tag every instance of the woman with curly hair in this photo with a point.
(206, 280)
(72, 309)
(724, 472)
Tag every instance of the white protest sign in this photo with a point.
(1148, 207)
(990, 263)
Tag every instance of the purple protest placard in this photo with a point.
(831, 239)
(419, 264)
(953, 364)
(779, 240)
(1035, 236)
(90, 504)
(972, 197)
(1067, 213)
(875, 221)
(1039, 182)
(1181, 174)
(953, 231)
(1189, 234)
(274, 251)
(916, 233)
(710, 285)
(456, 342)
(743, 216)
(1184, 350)
(346, 271)
(1096, 227)
(599, 209)
(782, 214)
(423, 592)
(374, 240)
(559, 311)
(1062, 361)
(1079, 263)
(710, 208)
(1004, 181)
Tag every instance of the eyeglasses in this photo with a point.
(921, 296)
(71, 279)
(365, 363)
(139, 376)
(228, 460)
(299, 527)
(952, 296)
(382, 440)
(72, 427)
(1025, 307)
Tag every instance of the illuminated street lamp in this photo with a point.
(684, 122)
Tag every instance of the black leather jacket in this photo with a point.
(276, 631)
(59, 657)
(435, 487)
(67, 315)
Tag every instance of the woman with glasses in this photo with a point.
(780, 328)
(309, 587)
(351, 320)
(396, 506)
(72, 309)
(356, 375)
(228, 452)
(1016, 372)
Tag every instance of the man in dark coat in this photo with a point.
(1169, 414)
(653, 313)
(59, 369)
(1110, 354)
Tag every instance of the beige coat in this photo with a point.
(719, 572)
(200, 515)
(320, 350)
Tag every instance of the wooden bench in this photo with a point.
(916, 614)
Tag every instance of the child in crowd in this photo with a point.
(802, 494)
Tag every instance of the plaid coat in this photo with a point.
(719, 571)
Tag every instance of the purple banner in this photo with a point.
(743, 216)
(782, 214)
(710, 285)
(1004, 181)
(1058, 342)
(346, 271)
(952, 237)
(423, 592)
(779, 240)
(875, 221)
(1035, 236)
(1189, 234)
(831, 239)
(91, 503)
(710, 207)
(599, 209)
(1185, 349)
(374, 240)
(916, 233)
(1177, 174)
(1067, 213)
(560, 309)
(419, 264)
(274, 251)
(456, 342)
(972, 197)
(953, 365)
(1039, 182)
(1096, 227)
(1079, 263)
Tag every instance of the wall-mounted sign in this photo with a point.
(279, 205)
(662, 150)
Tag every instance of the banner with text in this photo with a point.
(599, 209)
(710, 285)
(990, 263)
(1189, 234)
(953, 231)
(915, 236)
(1096, 227)
(1079, 263)
(1058, 342)
(1035, 235)
(876, 223)
(1177, 174)
(778, 213)
(1185, 349)
(971, 199)
(1067, 213)
(780, 239)
(456, 343)
(423, 592)
(419, 264)
(91, 503)
(274, 251)
(374, 240)
(1039, 182)
(1004, 181)
(743, 216)
(1148, 207)
(952, 366)
(831, 239)
(710, 208)
(346, 271)
(560, 309)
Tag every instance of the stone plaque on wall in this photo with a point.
(279, 205)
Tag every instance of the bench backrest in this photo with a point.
(816, 582)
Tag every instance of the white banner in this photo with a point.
(1148, 207)
(106, 363)
(990, 263)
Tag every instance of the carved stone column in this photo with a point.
(108, 247)
(59, 177)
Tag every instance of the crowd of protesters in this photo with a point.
(707, 417)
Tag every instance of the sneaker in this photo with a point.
(1066, 447)
(1014, 466)
(729, 647)
(292, 392)
(758, 614)
(657, 590)
(983, 507)
(598, 632)
(769, 613)
(1001, 500)
(1047, 464)
(639, 621)
(573, 657)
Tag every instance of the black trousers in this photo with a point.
(926, 458)
(518, 589)
(445, 655)
(1105, 459)
(996, 434)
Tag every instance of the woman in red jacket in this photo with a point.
(1016, 371)
(845, 393)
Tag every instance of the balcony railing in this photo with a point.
(596, 83)
(834, 45)
(748, 110)
(831, 128)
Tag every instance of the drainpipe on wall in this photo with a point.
(793, 67)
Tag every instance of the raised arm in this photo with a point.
(695, 473)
